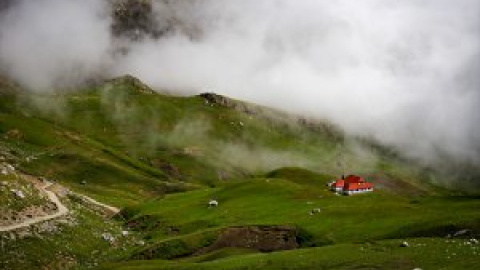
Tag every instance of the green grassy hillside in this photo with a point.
(344, 234)
(127, 142)
(426, 253)
(162, 158)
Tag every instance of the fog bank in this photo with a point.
(403, 72)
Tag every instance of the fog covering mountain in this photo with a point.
(404, 73)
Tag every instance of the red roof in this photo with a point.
(354, 179)
(339, 183)
(355, 186)
(352, 182)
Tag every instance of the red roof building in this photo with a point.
(338, 185)
(351, 184)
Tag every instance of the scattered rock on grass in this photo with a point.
(213, 203)
(461, 232)
(108, 237)
(18, 193)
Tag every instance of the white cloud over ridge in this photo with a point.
(405, 72)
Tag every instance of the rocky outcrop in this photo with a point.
(133, 19)
(212, 98)
(216, 99)
(136, 20)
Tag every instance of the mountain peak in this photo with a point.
(130, 83)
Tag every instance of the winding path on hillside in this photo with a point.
(112, 209)
(62, 209)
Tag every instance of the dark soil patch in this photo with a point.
(261, 238)
(14, 134)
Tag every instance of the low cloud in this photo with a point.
(402, 72)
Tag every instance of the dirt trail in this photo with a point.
(62, 209)
(112, 209)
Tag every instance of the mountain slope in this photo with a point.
(162, 158)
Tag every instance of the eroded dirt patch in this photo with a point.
(261, 238)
